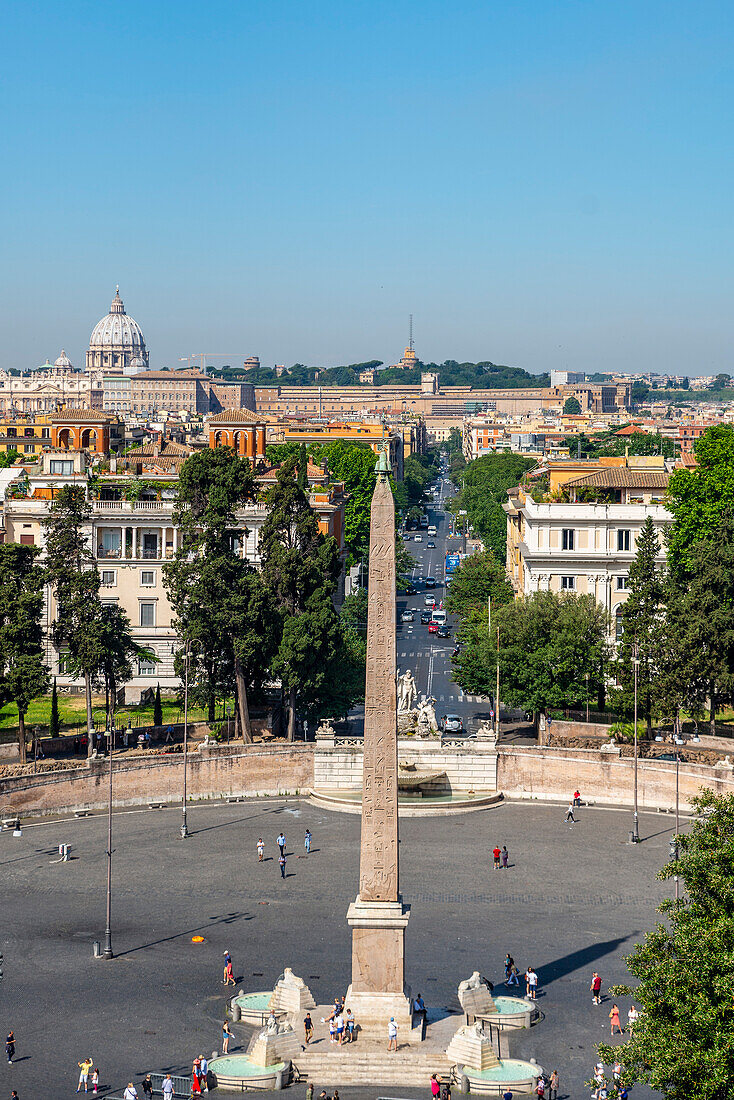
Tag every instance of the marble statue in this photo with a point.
(406, 691)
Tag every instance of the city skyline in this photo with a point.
(543, 187)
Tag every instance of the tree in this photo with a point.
(642, 623)
(640, 392)
(548, 644)
(23, 675)
(54, 725)
(300, 568)
(157, 707)
(477, 578)
(699, 668)
(571, 406)
(117, 649)
(72, 573)
(484, 491)
(698, 498)
(354, 464)
(217, 596)
(683, 1043)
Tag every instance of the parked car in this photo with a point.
(451, 723)
(425, 616)
(433, 627)
(407, 616)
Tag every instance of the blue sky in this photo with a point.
(540, 184)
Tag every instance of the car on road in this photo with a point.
(431, 545)
(433, 627)
(451, 723)
(407, 616)
(443, 630)
(418, 538)
(429, 601)
(410, 590)
(430, 582)
(425, 616)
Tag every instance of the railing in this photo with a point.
(349, 742)
(131, 506)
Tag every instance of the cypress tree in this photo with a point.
(157, 707)
(54, 726)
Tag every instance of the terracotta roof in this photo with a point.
(631, 429)
(85, 415)
(621, 477)
(236, 416)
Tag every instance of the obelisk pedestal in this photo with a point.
(378, 917)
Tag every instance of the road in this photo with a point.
(428, 656)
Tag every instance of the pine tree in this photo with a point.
(157, 707)
(643, 618)
(54, 726)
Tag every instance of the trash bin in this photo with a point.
(96, 950)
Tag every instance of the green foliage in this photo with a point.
(698, 498)
(117, 650)
(54, 725)
(571, 406)
(604, 444)
(485, 484)
(477, 578)
(354, 464)
(23, 674)
(7, 458)
(157, 707)
(639, 392)
(683, 1044)
(548, 643)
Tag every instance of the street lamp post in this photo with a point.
(587, 698)
(497, 692)
(636, 663)
(184, 826)
(677, 825)
(108, 928)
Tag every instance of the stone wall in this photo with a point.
(471, 766)
(252, 770)
(604, 777)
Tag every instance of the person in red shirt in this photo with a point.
(496, 853)
(577, 798)
(595, 989)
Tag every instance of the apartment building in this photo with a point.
(373, 435)
(131, 535)
(583, 536)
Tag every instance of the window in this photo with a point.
(64, 666)
(109, 578)
(623, 584)
(29, 449)
(567, 538)
(146, 667)
(147, 614)
(27, 540)
(62, 466)
(568, 584)
(623, 540)
(618, 627)
(147, 578)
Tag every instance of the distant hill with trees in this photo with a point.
(484, 375)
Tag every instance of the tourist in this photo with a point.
(514, 978)
(95, 1080)
(392, 1035)
(84, 1068)
(540, 1087)
(569, 813)
(308, 1028)
(307, 841)
(595, 989)
(226, 1036)
(282, 862)
(167, 1088)
(10, 1046)
(419, 1009)
(228, 971)
(505, 856)
(577, 798)
(632, 1018)
(281, 843)
(205, 1073)
(496, 853)
(339, 1022)
(531, 982)
(614, 1020)
(349, 1024)
(435, 1087)
(147, 1087)
(196, 1077)
(617, 1073)
(336, 1095)
(130, 1093)
(309, 1091)
(507, 1094)
(260, 850)
(553, 1085)
(445, 1090)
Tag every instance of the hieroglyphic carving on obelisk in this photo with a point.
(378, 877)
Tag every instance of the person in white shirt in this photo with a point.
(167, 1087)
(204, 1071)
(130, 1093)
(392, 1035)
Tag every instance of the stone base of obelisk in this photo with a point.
(378, 990)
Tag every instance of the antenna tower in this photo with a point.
(410, 342)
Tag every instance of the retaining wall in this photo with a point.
(249, 770)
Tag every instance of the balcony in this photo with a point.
(131, 507)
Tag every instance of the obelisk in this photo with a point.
(378, 917)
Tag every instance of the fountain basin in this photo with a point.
(238, 1072)
(512, 1012)
(254, 1007)
(410, 803)
(512, 1073)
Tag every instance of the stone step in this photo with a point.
(374, 1065)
